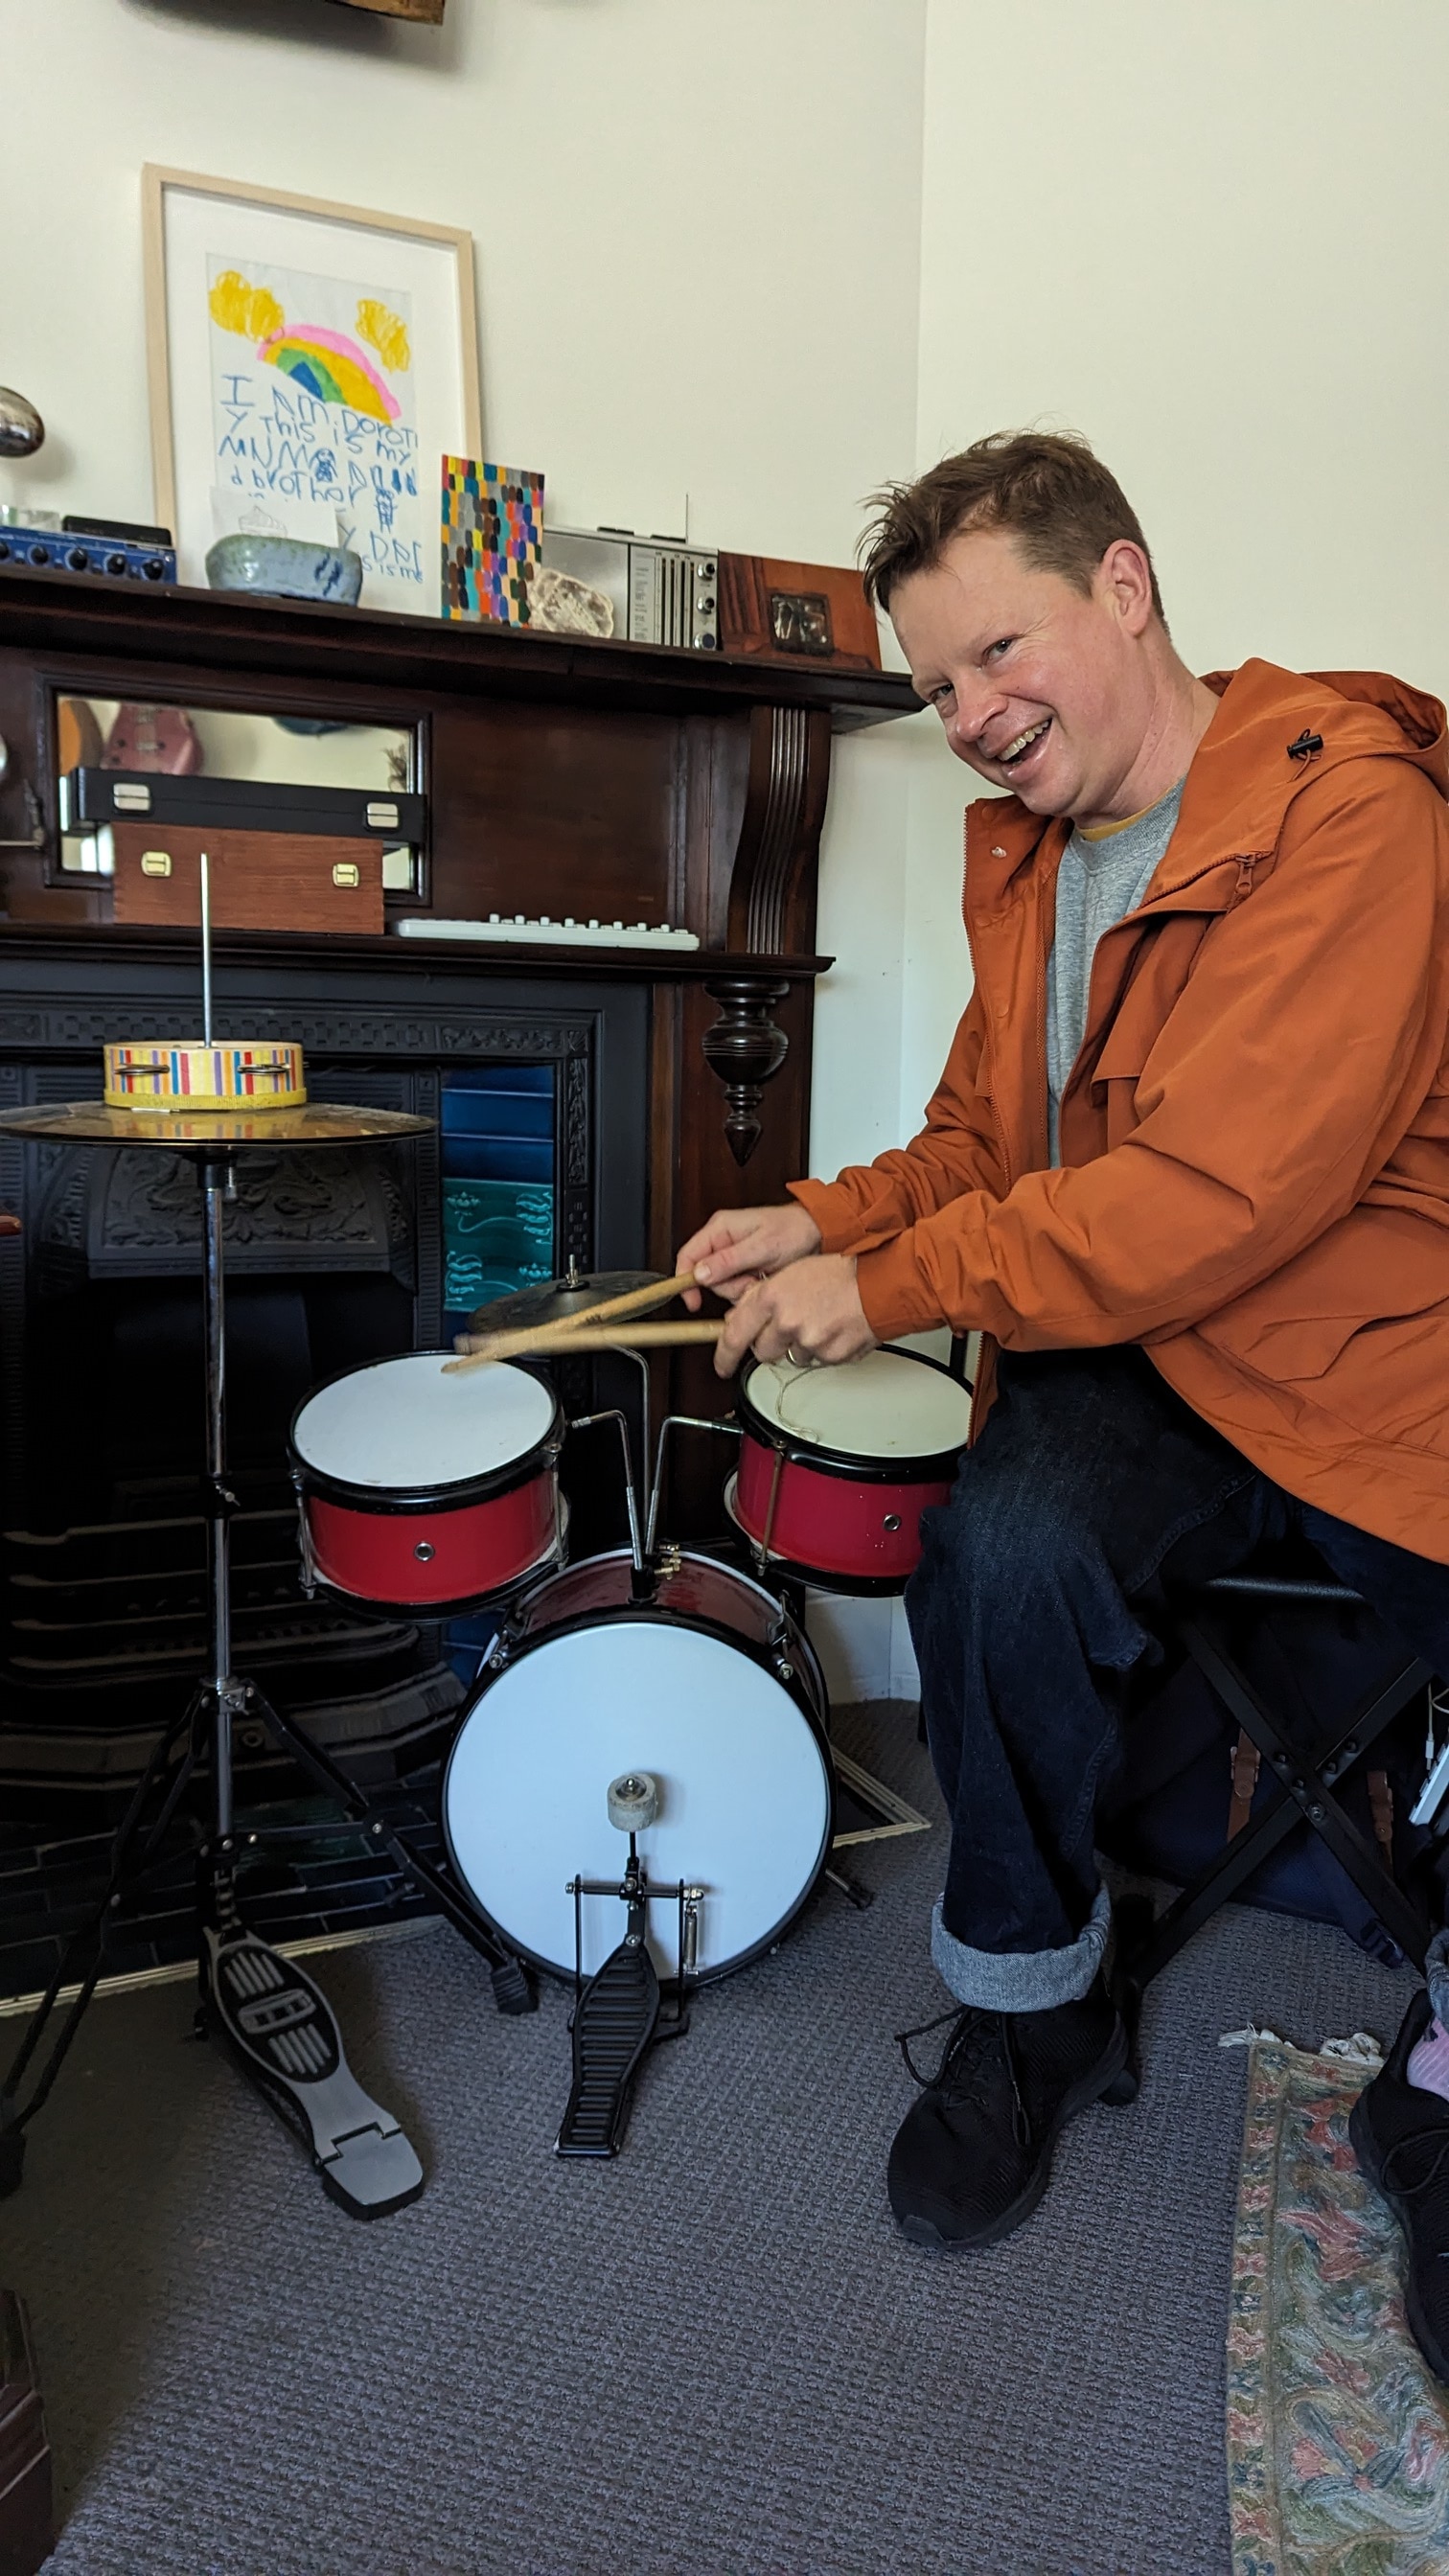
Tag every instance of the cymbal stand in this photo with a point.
(275, 2020)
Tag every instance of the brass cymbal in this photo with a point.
(553, 1299)
(89, 1122)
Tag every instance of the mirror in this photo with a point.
(231, 743)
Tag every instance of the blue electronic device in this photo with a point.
(67, 550)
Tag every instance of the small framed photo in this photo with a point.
(310, 364)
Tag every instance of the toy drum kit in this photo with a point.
(641, 1793)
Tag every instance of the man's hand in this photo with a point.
(812, 1311)
(740, 1245)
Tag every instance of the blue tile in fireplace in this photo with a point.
(498, 1112)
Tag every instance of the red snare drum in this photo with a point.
(838, 1464)
(424, 1492)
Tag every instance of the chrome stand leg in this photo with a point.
(217, 1174)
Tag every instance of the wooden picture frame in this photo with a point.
(429, 12)
(226, 261)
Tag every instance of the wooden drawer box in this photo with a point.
(259, 880)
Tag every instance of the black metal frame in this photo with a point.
(1204, 1623)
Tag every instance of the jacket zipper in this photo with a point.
(1246, 862)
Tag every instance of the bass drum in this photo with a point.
(712, 1690)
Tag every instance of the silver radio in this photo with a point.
(661, 592)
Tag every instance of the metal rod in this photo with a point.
(214, 1170)
(762, 1544)
(676, 1422)
(585, 1422)
(205, 949)
(646, 1446)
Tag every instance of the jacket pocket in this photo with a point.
(1374, 1278)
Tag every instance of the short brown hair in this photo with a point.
(1050, 492)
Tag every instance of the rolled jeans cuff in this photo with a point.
(1019, 1981)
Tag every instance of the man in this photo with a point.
(1187, 1171)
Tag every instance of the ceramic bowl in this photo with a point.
(285, 568)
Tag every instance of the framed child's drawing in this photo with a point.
(309, 366)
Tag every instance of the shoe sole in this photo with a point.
(1370, 2162)
(1112, 2080)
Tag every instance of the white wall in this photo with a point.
(1216, 239)
(696, 225)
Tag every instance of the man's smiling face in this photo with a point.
(1041, 687)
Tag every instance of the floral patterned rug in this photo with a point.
(1338, 2438)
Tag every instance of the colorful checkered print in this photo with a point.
(492, 539)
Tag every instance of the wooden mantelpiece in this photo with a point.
(289, 640)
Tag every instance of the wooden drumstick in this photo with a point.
(635, 1301)
(544, 1343)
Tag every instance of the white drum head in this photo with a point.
(400, 1425)
(744, 1792)
(883, 1405)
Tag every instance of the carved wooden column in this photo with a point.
(772, 886)
(745, 1047)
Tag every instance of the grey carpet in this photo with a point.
(713, 2358)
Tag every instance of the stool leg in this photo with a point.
(1304, 1781)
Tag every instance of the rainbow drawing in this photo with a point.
(329, 365)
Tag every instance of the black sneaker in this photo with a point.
(1401, 2139)
(973, 2157)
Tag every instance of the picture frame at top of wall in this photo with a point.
(309, 363)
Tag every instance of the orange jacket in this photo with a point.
(1255, 1136)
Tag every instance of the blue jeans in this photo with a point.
(1090, 1488)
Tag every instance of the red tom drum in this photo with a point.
(838, 1464)
(419, 1491)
